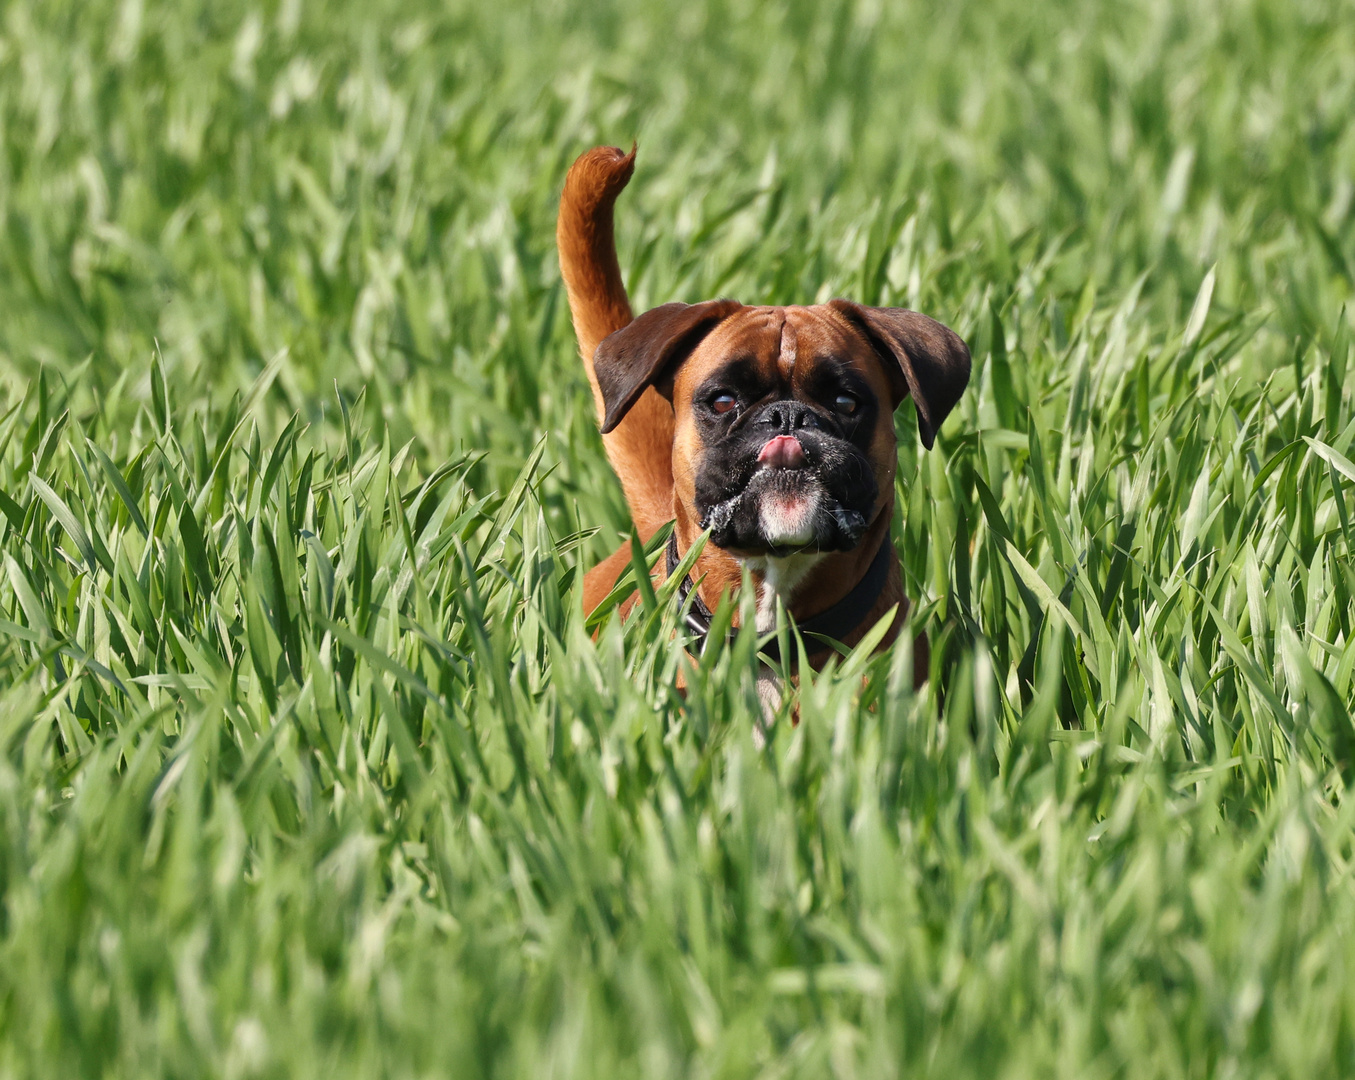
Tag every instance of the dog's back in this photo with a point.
(640, 448)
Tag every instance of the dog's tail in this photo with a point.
(640, 448)
(587, 245)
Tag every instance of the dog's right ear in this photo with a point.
(650, 348)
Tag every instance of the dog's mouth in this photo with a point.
(786, 495)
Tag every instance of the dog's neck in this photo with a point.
(805, 583)
(779, 578)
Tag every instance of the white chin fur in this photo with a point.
(788, 520)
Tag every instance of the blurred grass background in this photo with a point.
(308, 765)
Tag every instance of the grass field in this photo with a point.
(309, 765)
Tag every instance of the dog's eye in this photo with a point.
(846, 404)
(723, 403)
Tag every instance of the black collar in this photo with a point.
(835, 623)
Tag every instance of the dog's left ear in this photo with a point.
(650, 348)
(920, 356)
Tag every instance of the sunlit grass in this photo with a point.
(309, 762)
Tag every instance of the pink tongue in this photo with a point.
(783, 451)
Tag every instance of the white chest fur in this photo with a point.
(780, 578)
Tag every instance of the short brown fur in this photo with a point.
(653, 444)
(640, 447)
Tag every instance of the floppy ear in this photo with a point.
(643, 352)
(921, 357)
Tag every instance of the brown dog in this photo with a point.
(770, 426)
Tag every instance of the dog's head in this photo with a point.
(783, 427)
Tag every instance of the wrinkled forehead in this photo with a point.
(779, 340)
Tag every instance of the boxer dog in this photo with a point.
(772, 427)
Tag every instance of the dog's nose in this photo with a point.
(783, 452)
(788, 416)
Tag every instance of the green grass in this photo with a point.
(309, 765)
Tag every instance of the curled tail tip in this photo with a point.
(600, 173)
